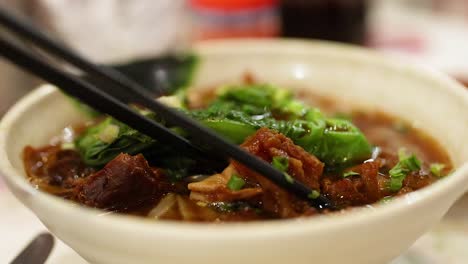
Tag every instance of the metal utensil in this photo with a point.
(37, 251)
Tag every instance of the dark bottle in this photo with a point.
(337, 20)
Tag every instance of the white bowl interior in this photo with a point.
(431, 101)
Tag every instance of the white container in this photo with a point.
(363, 236)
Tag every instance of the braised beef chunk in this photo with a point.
(367, 186)
(415, 181)
(303, 166)
(125, 182)
(53, 166)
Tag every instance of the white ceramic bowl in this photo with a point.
(368, 235)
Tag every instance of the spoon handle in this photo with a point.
(37, 251)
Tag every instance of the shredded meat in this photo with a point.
(125, 182)
(214, 189)
(303, 166)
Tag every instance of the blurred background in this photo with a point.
(433, 32)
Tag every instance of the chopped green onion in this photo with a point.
(349, 173)
(68, 145)
(288, 177)
(406, 165)
(436, 169)
(386, 199)
(314, 194)
(235, 183)
(280, 163)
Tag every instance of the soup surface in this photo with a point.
(351, 157)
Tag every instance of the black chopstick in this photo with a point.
(94, 97)
(109, 104)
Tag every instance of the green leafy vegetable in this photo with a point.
(237, 113)
(101, 143)
(436, 169)
(235, 183)
(233, 130)
(240, 111)
(342, 143)
(259, 96)
(349, 173)
(109, 133)
(176, 166)
(407, 164)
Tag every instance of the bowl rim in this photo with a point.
(256, 229)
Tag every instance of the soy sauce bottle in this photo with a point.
(336, 20)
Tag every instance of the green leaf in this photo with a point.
(343, 143)
(235, 183)
(349, 173)
(407, 164)
(240, 111)
(409, 161)
(233, 130)
(260, 95)
(101, 143)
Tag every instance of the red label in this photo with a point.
(232, 5)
